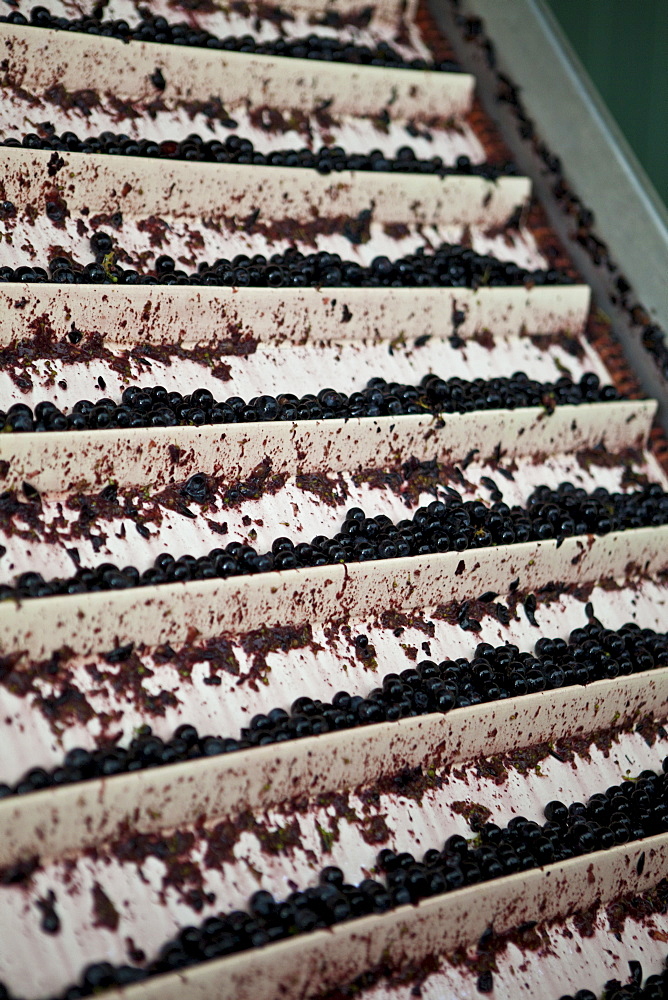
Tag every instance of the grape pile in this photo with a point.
(623, 813)
(592, 653)
(449, 266)
(655, 987)
(154, 406)
(442, 526)
(158, 29)
(236, 149)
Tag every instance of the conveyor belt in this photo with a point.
(133, 268)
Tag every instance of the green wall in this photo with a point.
(623, 45)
